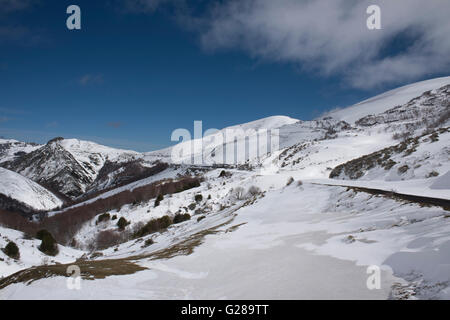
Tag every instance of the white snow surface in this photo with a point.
(29, 253)
(15, 147)
(387, 100)
(210, 149)
(442, 182)
(287, 245)
(303, 240)
(27, 191)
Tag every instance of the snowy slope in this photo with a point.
(20, 188)
(415, 166)
(387, 100)
(442, 182)
(305, 239)
(89, 152)
(29, 253)
(211, 151)
(11, 149)
(296, 242)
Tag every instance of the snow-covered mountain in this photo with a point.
(67, 166)
(367, 185)
(12, 149)
(430, 110)
(212, 148)
(387, 100)
(27, 192)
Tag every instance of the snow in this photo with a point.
(314, 159)
(169, 173)
(9, 148)
(209, 149)
(426, 157)
(29, 253)
(288, 245)
(387, 100)
(92, 156)
(81, 150)
(442, 182)
(308, 240)
(24, 190)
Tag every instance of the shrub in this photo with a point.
(153, 226)
(122, 223)
(159, 198)
(114, 217)
(434, 137)
(238, 193)
(253, 191)
(189, 184)
(192, 206)
(198, 198)
(148, 242)
(181, 217)
(42, 233)
(200, 218)
(103, 217)
(432, 174)
(401, 136)
(48, 243)
(209, 197)
(11, 250)
(299, 183)
(107, 238)
(403, 169)
(290, 180)
(225, 174)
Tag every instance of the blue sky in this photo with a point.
(139, 69)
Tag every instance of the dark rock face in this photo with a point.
(57, 169)
(117, 174)
(54, 168)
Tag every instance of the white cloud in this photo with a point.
(331, 37)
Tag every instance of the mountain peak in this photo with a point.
(57, 139)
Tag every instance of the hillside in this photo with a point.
(363, 186)
(387, 100)
(67, 166)
(25, 191)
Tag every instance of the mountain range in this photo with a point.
(367, 183)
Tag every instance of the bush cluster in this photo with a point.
(122, 223)
(153, 226)
(103, 218)
(66, 224)
(12, 250)
(181, 217)
(48, 243)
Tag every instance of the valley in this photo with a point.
(358, 187)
